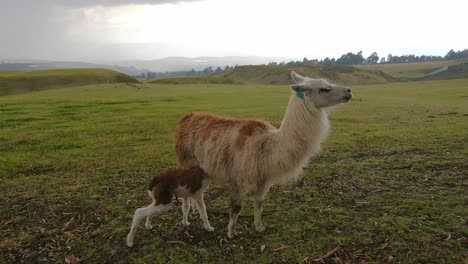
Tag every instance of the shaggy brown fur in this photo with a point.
(164, 184)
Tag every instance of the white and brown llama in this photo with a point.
(250, 154)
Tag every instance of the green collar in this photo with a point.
(300, 94)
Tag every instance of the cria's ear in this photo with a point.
(297, 87)
(296, 77)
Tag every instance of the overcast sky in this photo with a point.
(97, 30)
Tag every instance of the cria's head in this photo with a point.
(319, 92)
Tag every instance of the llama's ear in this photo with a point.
(297, 87)
(296, 77)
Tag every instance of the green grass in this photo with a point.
(14, 82)
(411, 70)
(390, 182)
(195, 80)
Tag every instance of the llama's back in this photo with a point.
(217, 143)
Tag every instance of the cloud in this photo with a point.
(43, 28)
(100, 29)
(83, 3)
(88, 3)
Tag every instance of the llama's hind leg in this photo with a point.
(202, 210)
(259, 196)
(194, 206)
(185, 211)
(141, 213)
(236, 206)
(148, 218)
(148, 224)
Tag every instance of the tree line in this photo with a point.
(351, 58)
(207, 71)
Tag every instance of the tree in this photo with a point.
(389, 58)
(453, 55)
(382, 60)
(372, 59)
(450, 55)
(351, 58)
(208, 70)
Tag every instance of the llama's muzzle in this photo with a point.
(347, 97)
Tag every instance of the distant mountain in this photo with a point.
(135, 67)
(31, 65)
(171, 64)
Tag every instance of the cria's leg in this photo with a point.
(148, 218)
(259, 195)
(185, 211)
(236, 206)
(202, 210)
(141, 213)
(148, 223)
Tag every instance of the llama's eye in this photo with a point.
(324, 90)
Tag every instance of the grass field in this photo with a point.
(390, 185)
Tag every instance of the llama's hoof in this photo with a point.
(209, 228)
(185, 223)
(231, 235)
(148, 226)
(260, 228)
(129, 242)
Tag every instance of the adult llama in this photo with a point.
(250, 155)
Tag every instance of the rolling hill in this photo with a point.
(36, 65)
(263, 74)
(452, 72)
(14, 82)
(411, 70)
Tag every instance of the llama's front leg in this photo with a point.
(185, 211)
(259, 196)
(141, 213)
(202, 210)
(236, 206)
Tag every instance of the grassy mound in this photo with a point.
(14, 82)
(453, 72)
(262, 74)
(411, 70)
(196, 80)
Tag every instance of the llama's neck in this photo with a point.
(301, 132)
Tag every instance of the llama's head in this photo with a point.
(319, 92)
